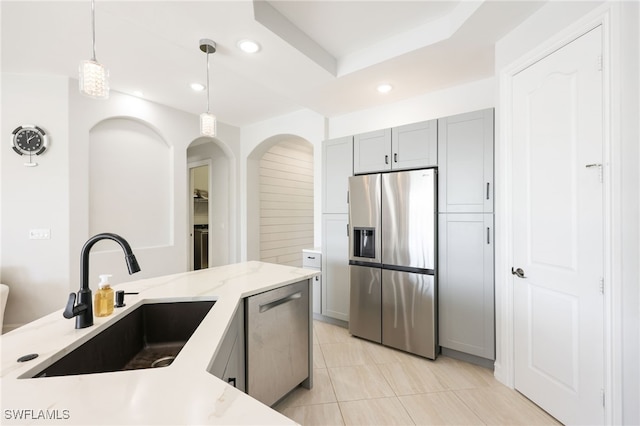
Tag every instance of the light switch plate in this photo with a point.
(40, 234)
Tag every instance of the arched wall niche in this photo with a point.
(130, 183)
(269, 250)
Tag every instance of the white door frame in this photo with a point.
(607, 16)
(190, 166)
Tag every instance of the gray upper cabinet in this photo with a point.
(372, 151)
(465, 160)
(411, 146)
(337, 166)
(415, 145)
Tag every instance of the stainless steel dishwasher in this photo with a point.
(277, 341)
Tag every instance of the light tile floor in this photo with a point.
(357, 382)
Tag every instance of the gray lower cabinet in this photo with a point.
(229, 362)
(335, 266)
(466, 283)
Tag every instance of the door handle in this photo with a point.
(518, 272)
(268, 306)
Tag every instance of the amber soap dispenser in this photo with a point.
(103, 303)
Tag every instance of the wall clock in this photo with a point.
(30, 140)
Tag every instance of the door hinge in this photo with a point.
(601, 285)
(599, 62)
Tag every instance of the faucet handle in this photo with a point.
(68, 311)
(72, 309)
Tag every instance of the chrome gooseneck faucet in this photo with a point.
(83, 310)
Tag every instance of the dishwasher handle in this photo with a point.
(267, 306)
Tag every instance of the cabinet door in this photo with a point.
(228, 363)
(372, 152)
(465, 163)
(337, 166)
(415, 145)
(465, 283)
(335, 266)
(234, 373)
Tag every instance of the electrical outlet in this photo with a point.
(40, 234)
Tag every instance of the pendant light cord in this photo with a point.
(208, 80)
(93, 29)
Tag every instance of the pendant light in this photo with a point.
(94, 77)
(207, 120)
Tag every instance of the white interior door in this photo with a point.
(558, 231)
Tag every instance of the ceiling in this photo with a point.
(326, 56)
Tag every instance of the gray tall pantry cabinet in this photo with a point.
(337, 166)
(466, 237)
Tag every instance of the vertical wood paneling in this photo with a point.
(286, 202)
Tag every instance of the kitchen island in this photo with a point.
(184, 392)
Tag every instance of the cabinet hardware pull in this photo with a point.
(311, 257)
(386, 159)
(488, 235)
(395, 157)
(487, 190)
(347, 197)
(232, 381)
(347, 229)
(267, 306)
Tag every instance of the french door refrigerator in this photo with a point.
(392, 252)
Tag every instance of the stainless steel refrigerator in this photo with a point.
(392, 254)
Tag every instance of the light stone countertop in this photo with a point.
(182, 393)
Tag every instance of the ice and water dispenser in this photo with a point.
(364, 242)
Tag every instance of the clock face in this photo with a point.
(29, 140)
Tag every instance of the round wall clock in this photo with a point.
(30, 140)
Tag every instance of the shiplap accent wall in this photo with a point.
(286, 202)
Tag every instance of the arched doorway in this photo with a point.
(211, 200)
(280, 205)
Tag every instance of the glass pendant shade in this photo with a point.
(94, 79)
(208, 124)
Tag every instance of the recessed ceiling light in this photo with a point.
(197, 87)
(384, 88)
(248, 46)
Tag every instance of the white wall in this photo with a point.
(55, 195)
(454, 100)
(35, 197)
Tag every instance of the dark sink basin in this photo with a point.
(151, 335)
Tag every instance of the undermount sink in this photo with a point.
(149, 336)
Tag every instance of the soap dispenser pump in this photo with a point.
(103, 304)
